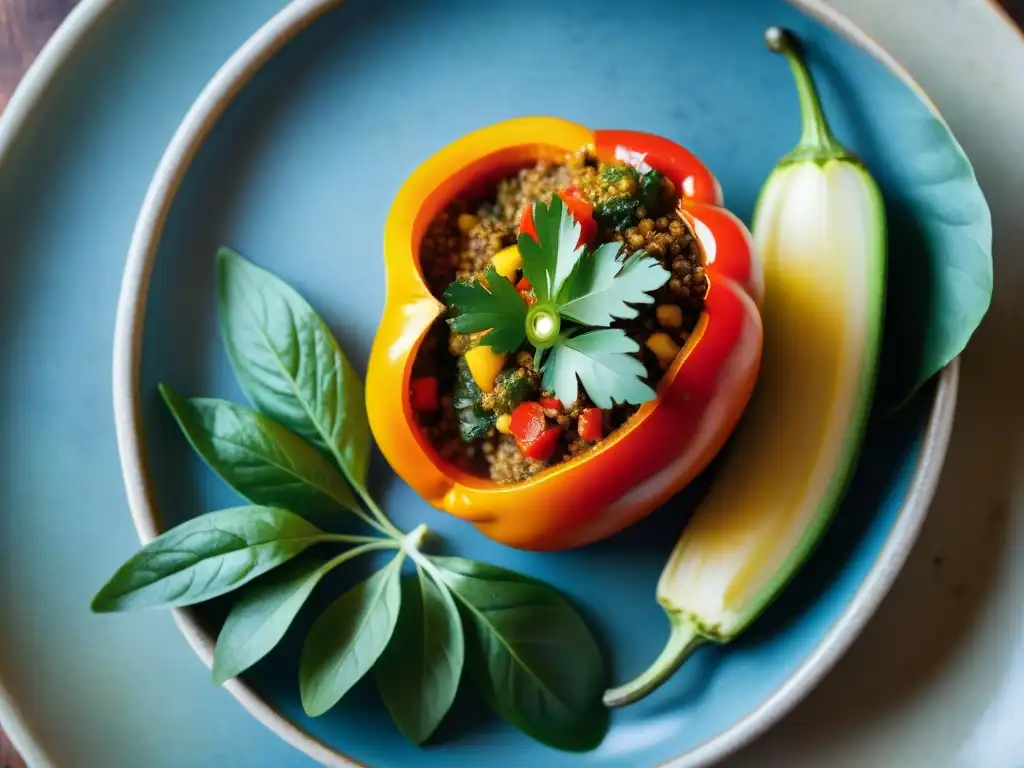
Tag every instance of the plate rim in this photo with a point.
(198, 123)
(52, 57)
(236, 72)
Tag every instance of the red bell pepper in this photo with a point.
(590, 425)
(423, 394)
(550, 403)
(580, 209)
(530, 428)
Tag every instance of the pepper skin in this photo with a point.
(665, 444)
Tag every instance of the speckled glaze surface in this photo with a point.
(266, 181)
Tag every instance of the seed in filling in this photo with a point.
(472, 428)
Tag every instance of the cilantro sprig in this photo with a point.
(491, 305)
(580, 294)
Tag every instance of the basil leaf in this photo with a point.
(530, 654)
(290, 365)
(207, 556)
(261, 616)
(418, 674)
(939, 281)
(348, 638)
(261, 459)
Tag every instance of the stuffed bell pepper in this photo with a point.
(571, 332)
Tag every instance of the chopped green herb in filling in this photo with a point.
(566, 338)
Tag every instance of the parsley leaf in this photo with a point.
(604, 362)
(602, 288)
(500, 310)
(548, 263)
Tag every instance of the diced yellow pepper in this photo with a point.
(466, 222)
(485, 365)
(669, 316)
(504, 423)
(663, 347)
(508, 261)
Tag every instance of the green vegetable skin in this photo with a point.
(820, 229)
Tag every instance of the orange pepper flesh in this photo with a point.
(664, 445)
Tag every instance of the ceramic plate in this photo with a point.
(269, 181)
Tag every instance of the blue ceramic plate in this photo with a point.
(365, 93)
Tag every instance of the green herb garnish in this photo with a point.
(653, 196)
(475, 422)
(605, 362)
(577, 290)
(495, 307)
(617, 213)
(305, 451)
(604, 288)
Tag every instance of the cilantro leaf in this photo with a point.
(500, 310)
(602, 288)
(548, 263)
(604, 362)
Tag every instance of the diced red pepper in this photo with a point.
(550, 403)
(530, 429)
(526, 291)
(528, 422)
(580, 210)
(423, 394)
(590, 425)
(543, 448)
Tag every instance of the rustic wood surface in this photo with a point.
(24, 26)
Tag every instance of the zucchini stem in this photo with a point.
(684, 637)
(817, 142)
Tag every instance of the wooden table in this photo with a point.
(24, 26)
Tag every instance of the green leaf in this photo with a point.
(619, 213)
(653, 195)
(475, 423)
(207, 556)
(467, 392)
(548, 263)
(939, 282)
(418, 674)
(290, 365)
(512, 387)
(500, 309)
(530, 654)
(348, 638)
(261, 616)
(604, 362)
(603, 288)
(264, 461)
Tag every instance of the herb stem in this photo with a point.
(424, 562)
(351, 554)
(385, 526)
(349, 539)
(369, 520)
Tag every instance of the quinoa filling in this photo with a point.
(482, 431)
